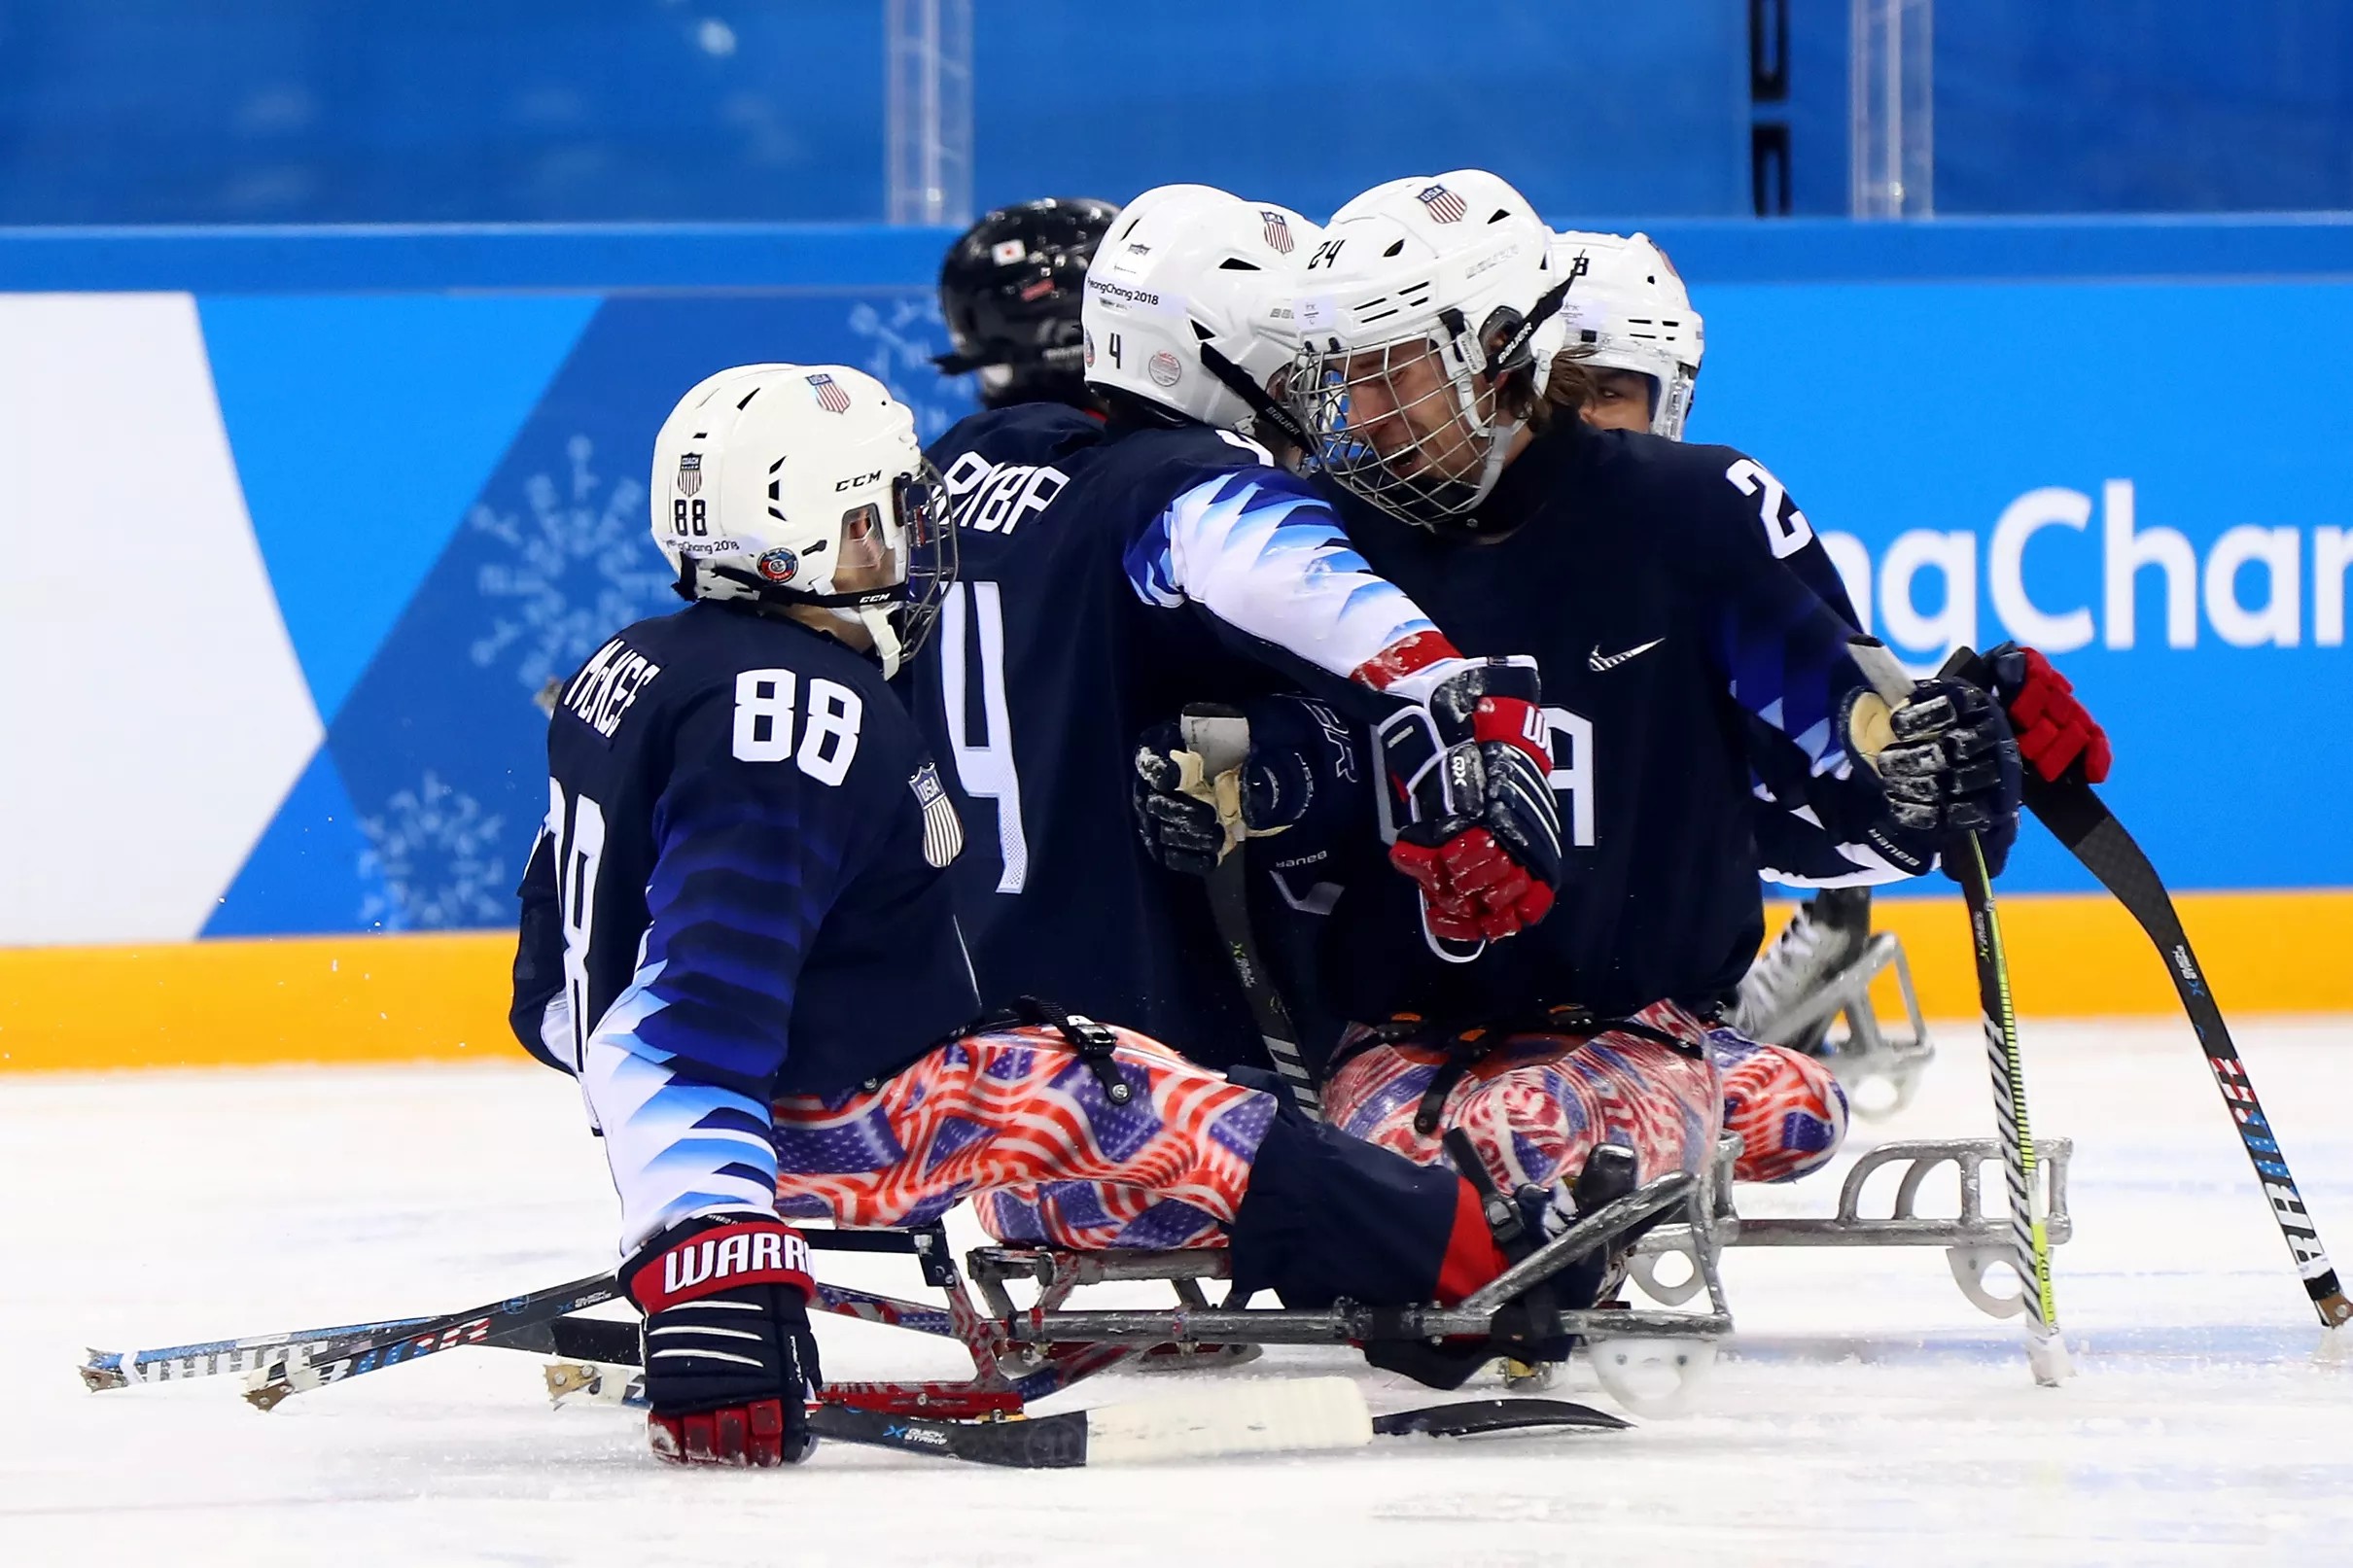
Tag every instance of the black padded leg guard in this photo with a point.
(1329, 1215)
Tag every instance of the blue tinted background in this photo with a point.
(263, 111)
(1894, 407)
(240, 111)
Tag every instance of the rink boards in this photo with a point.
(366, 997)
(294, 527)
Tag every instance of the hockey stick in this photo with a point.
(1292, 1415)
(2029, 1229)
(1296, 1414)
(2080, 820)
(297, 1359)
(519, 1320)
(1220, 737)
(2029, 1232)
(102, 1370)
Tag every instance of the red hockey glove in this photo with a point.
(2052, 729)
(729, 1358)
(1483, 835)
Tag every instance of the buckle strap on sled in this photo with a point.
(1463, 1053)
(1465, 1047)
(1093, 1042)
(1502, 1215)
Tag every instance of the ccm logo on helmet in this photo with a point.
(857, 481)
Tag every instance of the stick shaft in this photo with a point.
(216, 1358)
(1230, 908)
(1221, 737)
(2030, 1239)
(308, 1367)
(1966, 859)
(2080, 820)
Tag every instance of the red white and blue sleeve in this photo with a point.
(1266, 557)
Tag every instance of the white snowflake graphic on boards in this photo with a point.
(433, 853)
(580, 568)
(903, 337)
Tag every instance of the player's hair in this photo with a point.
(1566, 390)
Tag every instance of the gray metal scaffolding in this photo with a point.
(927, 111)
(1891, 109)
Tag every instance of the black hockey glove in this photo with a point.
(1183, 815)
(1949, 766)
(1473, 769)
(729, 1358)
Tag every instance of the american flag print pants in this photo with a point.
(1536, 1104)
(1019, 1122)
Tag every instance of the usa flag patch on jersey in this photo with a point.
(829, 395)
(943, 834)
(1444, 205)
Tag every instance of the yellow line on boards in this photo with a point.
(311, 998)
(2080, 956)
(360, 999)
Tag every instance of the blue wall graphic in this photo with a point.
(2062, 460)
(420, 808)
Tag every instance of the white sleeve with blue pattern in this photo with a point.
(1260, 551)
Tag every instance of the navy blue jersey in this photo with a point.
(1109, 577)
(1793, 847)
(740, 891)
(1683, 659)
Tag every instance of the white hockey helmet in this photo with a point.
(1629, 311)
(804, 484)
(1188, 299)
(1423, 299)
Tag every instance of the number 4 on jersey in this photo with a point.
(984, 767)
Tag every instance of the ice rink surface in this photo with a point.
(1864, 1413)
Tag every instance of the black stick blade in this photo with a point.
(1472, 1416)
(1038, 1443)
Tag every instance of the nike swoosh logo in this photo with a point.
(1599, 663)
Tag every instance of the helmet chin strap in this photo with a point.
(876, 619)
(1525, 340)
(1499, 428)
(873, 619)
(1260, 402)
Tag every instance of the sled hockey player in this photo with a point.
(1009, 289)
(1115, 568)
(1637, 334)
(1672, 635)
(1643, 342)
(738, 937)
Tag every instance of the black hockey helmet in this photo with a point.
(1011, 288)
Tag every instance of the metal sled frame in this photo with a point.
(1866, 1056)
(1025, 1353)
(1972, 1242)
